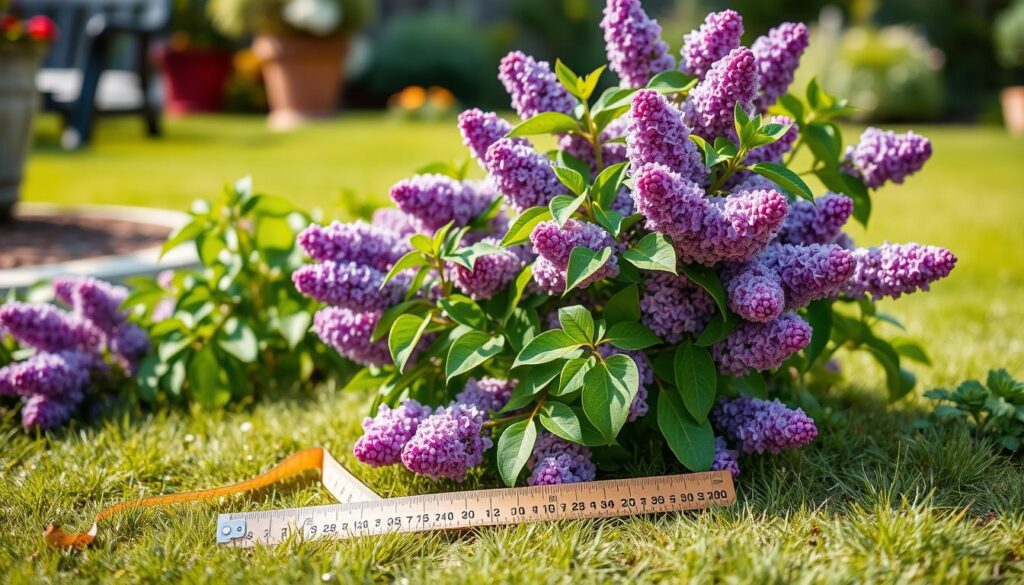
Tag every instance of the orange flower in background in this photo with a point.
(440, 98)
(410, 98)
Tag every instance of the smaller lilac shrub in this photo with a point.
(74, 354)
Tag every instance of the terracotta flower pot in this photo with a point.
(195, 79)
(302, 76)
(18, 102)
(1013, 109)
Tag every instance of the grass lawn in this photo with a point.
(872, 500)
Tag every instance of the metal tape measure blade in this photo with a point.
(452, 510)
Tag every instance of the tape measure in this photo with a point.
(361, 512)
(597, 499)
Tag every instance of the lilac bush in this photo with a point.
(666, 265)
(76, 352)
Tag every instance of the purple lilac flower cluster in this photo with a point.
(673, 306)
(489, 275)
(351, 261)
(726, 459)
(717, 36)
(69, 347)
(893, 270)
(435, 200)
(761, 346)
(816, 222)
(522, 174)
(706, 229)
(762, 426)
(444, 442)
(480, 130)
(533, 87)
(657, 134)
(883, 156)
(633, 43)
(555, 460)
(778, 56)
(732, 80)
(554, 244)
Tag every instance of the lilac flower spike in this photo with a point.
(555, 460)
(759, 426)
(707, 230)
(809, 272)
(555, 244)
(818, 222)
(761, 346)
(395, 221)
(883, 156)
(657, 134)
(486, 393)
(349, 285)
(892, 270)
(731, 80)
(532, 86)
(47, 412)
(49, 374)
(349, 333)
(385, 435)
(719, 35)
(434, 200)
(726, 459)
(358, 241)
(130, 344)
(490, 273)
(93, 299)
(522, 174)
(754, 291)
(47, 328)
(447, 443)
(778, 56)
(673, 306)
(633, 43)
(480, 130)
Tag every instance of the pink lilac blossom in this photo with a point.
(817, 222)
(490, 273)
(708, 110)
(349, 333)
(761, 346)
(638, 407)
(447, 443)
(385, 435)
(657, 134)
(49, 374)
(893, 270)
(719, 35)
(357, 241)
(809, 272)
(754, 291)
(726, 459)
(555, 244)
(673, 306)
(480, 130)
(883, 156)
(775, 151)
(532, 86)
(633, 43)
(704, 229)
(47, 328)
(486, 394)
(778, 56)
(523, 175)
(49, 412)
(555, 460)
(760, 426)
(435, 200)
(349, 285)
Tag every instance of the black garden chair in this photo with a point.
(101, 61)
